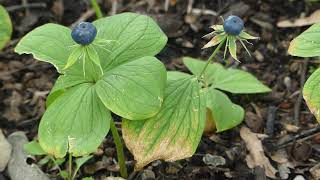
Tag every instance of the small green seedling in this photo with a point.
(307, 44)
(5, 27)
(175, 132)
(34, 148)
(112, 71)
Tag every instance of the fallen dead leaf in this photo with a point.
(305, 21)
(256, 156)
(291, 128)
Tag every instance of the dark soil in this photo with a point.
(25, 83)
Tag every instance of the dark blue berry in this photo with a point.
(84, 33)
(233, 25)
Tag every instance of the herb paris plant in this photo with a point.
(175, 132)
(131, 83)
(307, 44)
(228, 33)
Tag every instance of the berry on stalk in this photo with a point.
(84, 33)
(233, 25)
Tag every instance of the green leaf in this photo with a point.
(64, 174)
(44, 161)
(93, 56)
(49, 43)
(175, 132)
(59, 161)
(244, 35)
(134, 90)
(238, 81)
(196, 66)
(217, 27)
(76, 53)
(80, 161)
(232, 80)
(34, 148)
(306, 44)
(5, 27)
(76, 122)
(62, 83)
(87, 178)
(232, 47)
(226, 114)
(135, 35)
(53, 96)
(215, 40)
(52, 43)
(175, 75)
(311, 93)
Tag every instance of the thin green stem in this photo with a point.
(96, 8)
(70, 166)
(119, 148)
(211, 57)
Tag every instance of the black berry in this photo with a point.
(84, 33)
(233, 25)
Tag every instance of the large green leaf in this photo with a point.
(175, 132)
(33, 148)
(175, 75)
(306, 44)
(226, 115)
(196, 66)
(5, 27)
(311, 93)
(134, 90)
(50, 43)
(76, 123)
(134, 36)
(232, 80)
(62, 83)
(238, 81)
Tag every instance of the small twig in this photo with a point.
(23, 6)
(190, 5)
(270, 120)
(297, 105)
(307, 133)
(132, 175)
(84, 17)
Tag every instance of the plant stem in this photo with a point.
(70, 166)
(119, 147)
(211, 57)
(96, 8)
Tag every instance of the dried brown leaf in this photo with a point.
(256, 156)
(305, 21)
